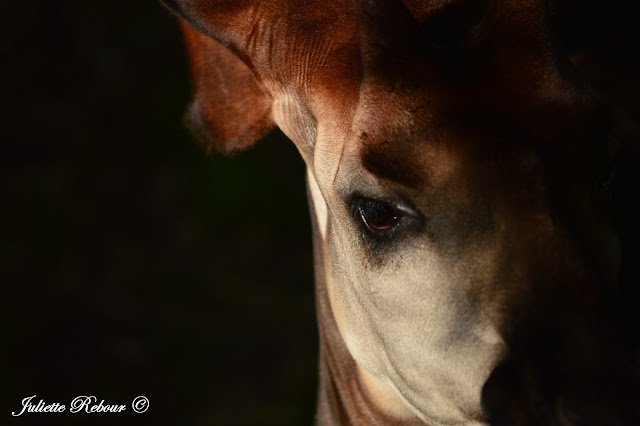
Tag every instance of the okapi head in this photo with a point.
(458, 171)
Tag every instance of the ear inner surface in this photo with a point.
(231, 109)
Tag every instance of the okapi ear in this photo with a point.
(231, 109)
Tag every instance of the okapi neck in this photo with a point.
(345, 395)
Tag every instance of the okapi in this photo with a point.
(467, 256)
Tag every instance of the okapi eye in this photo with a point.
(378, 216)
(384, 222)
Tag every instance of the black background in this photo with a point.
(132, 262)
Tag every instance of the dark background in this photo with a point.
(131, 261)
(134, 263)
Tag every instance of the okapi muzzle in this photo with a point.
(460, 172)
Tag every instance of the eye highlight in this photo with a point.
(378, 216)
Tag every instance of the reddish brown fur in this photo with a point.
(231, 109)
(268, 37)
(472, 109)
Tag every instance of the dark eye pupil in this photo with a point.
(378, 216)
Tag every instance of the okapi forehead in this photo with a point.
(447, 9)
(419, 149)
(412, 160)
(428, 98)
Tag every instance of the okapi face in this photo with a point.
(458, 173)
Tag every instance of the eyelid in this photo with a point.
(406, 210)
(403, 207)
(399, 203)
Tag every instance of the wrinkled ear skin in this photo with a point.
(230, 110)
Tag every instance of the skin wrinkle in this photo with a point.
(297, 122)
(311, 52)
(272, 46)
(378, 395)
(253, 38)
(388, 362)
(331, 290)
(361, 88)
(319, 205)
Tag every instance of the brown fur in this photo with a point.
(492, 302)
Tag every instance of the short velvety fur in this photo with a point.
(231, 109)
(490, 293)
